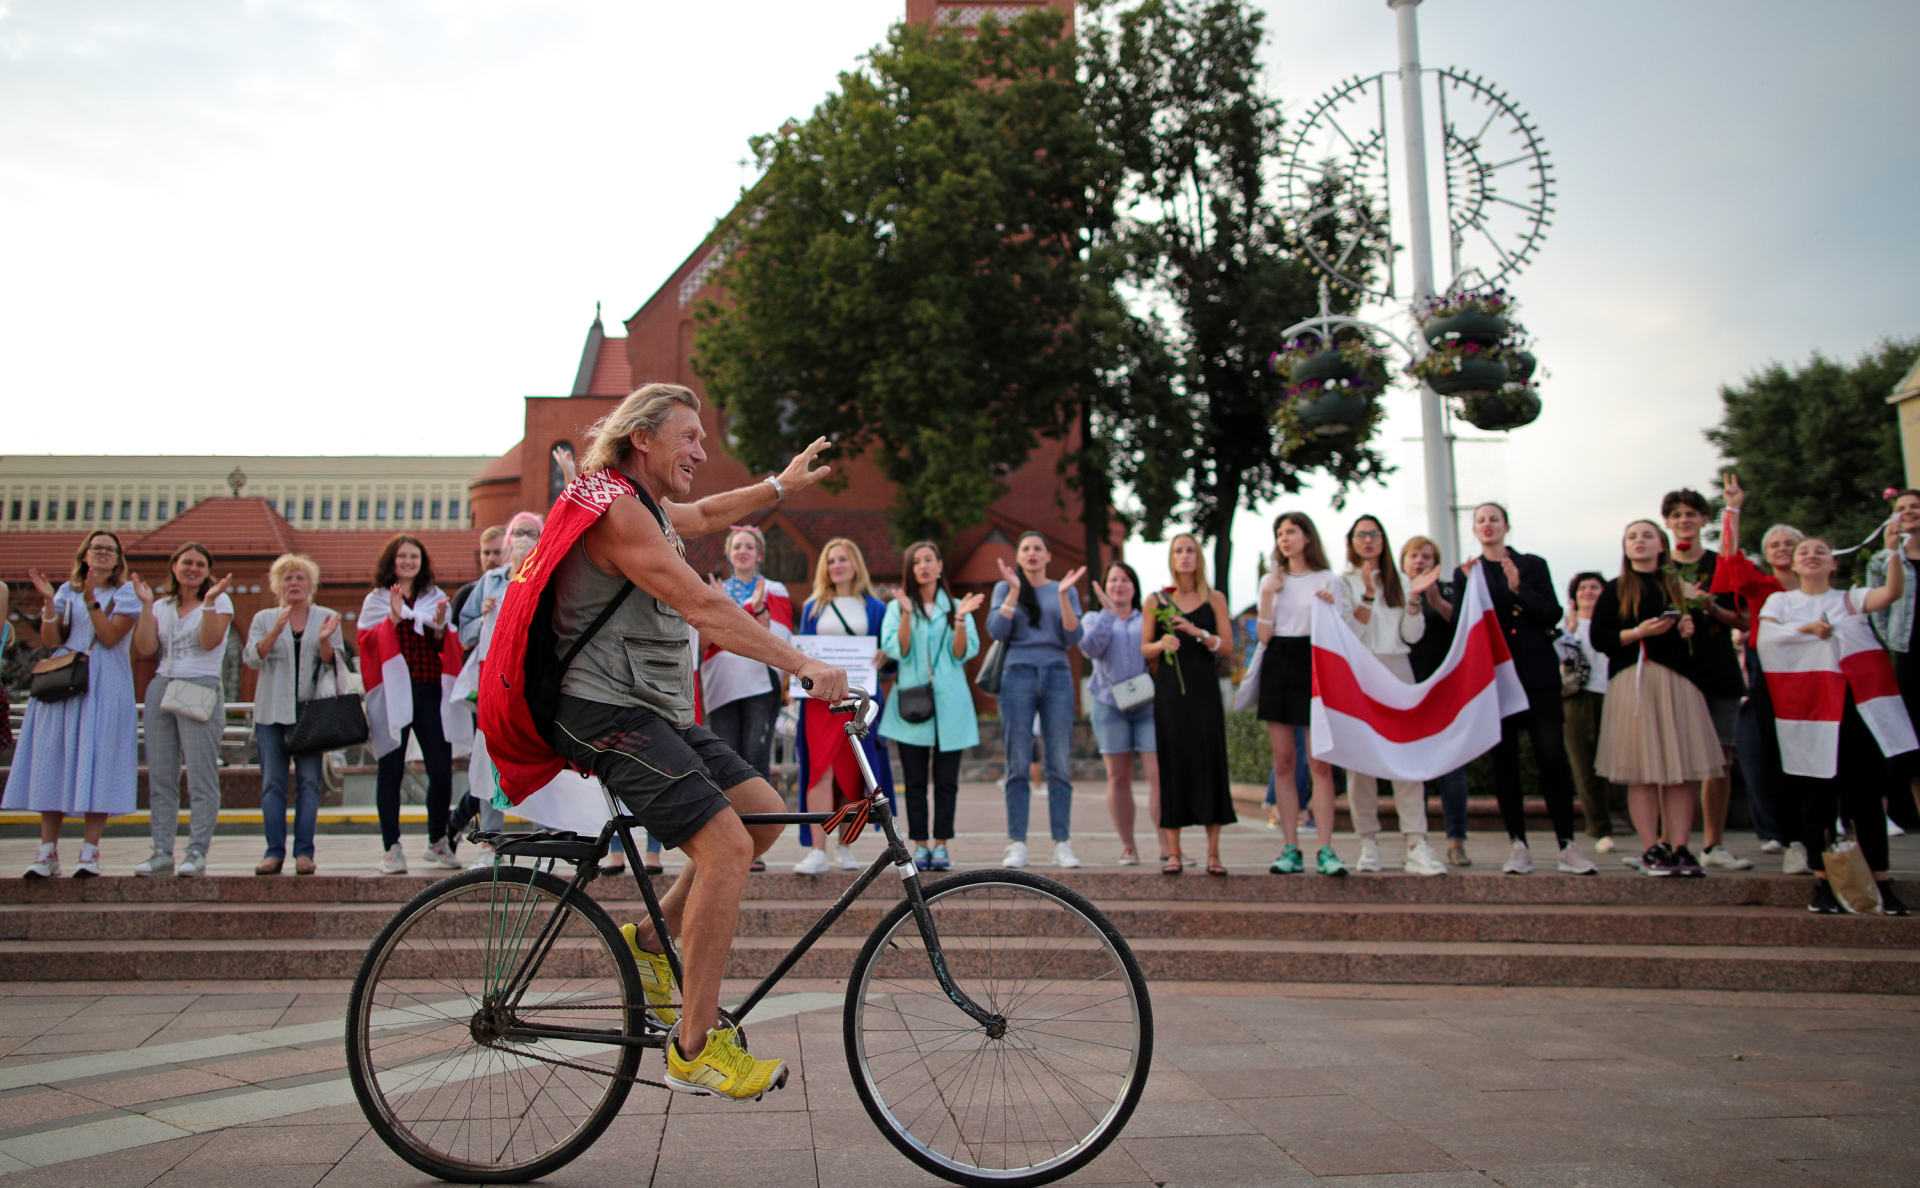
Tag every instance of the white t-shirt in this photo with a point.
(853, 609)
(1581, 641)
(180, 652)
(1293, 606)
(1791, 608)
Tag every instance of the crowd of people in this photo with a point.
(1642, 694)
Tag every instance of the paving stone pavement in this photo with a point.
(199, 1085)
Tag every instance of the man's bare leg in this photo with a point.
(753, 796)
(718, 858)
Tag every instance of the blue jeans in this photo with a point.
(1453, 802)
(1025, 688)
(272, 740)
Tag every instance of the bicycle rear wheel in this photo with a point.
(1024, 1107)
(431, 1043)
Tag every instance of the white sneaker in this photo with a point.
(441, 854)
(1521, 861)
(1604, 845)
(1894, 830)
(394, 861)
(89, 865)
(1369, 856)
(1772, 846)
(816, 862)
(1421, 860)
(843, 856)
(1573, 862)
(156, 865)
(1720, 858)
(1016, 856)
(195, 863)
(1064, 857)
(482, 857)
(1795, 861)
(45, 864)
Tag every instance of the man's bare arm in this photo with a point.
(628, 540)
(716, 512)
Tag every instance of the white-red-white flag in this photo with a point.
(1809, 678)
(1366, 719)
(387, 684)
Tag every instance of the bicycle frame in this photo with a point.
(896, 857)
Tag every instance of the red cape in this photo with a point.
(526, 763)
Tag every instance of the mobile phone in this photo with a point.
(1672, 614)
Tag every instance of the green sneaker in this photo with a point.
(656, 978)
(1330, 864)
(1289, 862)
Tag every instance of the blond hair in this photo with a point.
(610, 440)
(285, 564)
(493, 533)
(1199, 569)
(823, 589)
(1419, 542)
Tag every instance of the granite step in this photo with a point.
(1699, 967)
(1730, 926)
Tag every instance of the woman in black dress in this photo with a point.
(1189, 722)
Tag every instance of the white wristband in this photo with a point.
(779, 492)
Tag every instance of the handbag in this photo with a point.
(188, 700)
(916, 702)
(1247, 696)
(59, 678)
(328, 723)
(1134, 691)
(1851, 879)
(987, 679)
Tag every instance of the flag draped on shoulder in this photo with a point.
(1366, 719)
(384, 676)
(1809, 679)
(516, 740)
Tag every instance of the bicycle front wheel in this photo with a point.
(436, 1045)
(1058, 1081)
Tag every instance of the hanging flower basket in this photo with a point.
(1469, 325)
(1316, 369)
(1334, 413)
(1509, 408)
(1520, 366)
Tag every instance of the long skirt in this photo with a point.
(1655, 728)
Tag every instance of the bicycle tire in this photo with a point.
(461, 1109)
(1060, 963)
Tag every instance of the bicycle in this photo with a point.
(997, 1026)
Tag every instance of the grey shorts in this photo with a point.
(674, 781)
(1725, 712)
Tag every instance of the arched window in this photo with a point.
(556, 478)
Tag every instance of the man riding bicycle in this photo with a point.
(625, 707)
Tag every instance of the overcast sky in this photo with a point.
(333, 226)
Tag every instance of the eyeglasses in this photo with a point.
(104, 548)
(1369, 534)
(529, 533)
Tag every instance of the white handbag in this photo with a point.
(1247, 696)
(1132, 692)
(188, 700)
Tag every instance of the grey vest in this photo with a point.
(642, 657)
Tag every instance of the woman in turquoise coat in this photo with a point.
(931, 636)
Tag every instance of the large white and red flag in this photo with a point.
(1366, 719)
(1809, 677)
(389, 688)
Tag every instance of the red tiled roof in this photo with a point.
(230, 527)
(611, 374)
(345, 557)
(505, 468)
(49, 552)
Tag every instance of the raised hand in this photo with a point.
(970, 603)
(1008, 574)
(563, 458)
(1423, 583)
(905, 600)
(329, 625)
(217, 589)
(41, 584)
(440, 613)
(801, 473)
(1893, 535)
(1512, 571)
(1106, 604)
(142, 591)
(1071, 580)
(1731, 490)
(396, 602)
(758, 600)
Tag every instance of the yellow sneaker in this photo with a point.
(656, 978)
(723, 1069)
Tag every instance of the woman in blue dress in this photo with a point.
(79, 755)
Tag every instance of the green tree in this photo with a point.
(1175, 88)
(922, 274)
(1816, 446)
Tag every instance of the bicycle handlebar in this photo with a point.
(859, 703)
